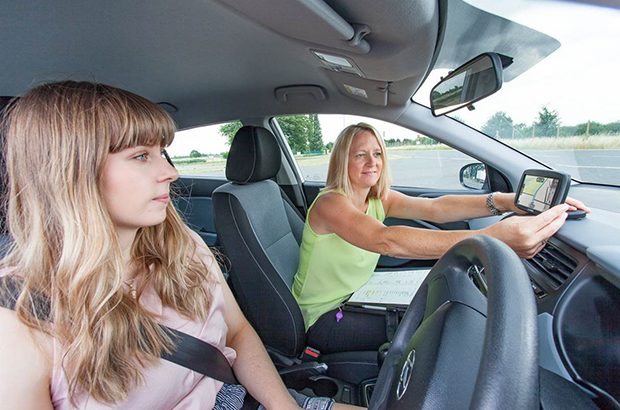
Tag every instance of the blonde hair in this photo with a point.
(338, 170)
(65, 246)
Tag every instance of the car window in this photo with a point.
(415, 160)
(563, 111)
(202, 151)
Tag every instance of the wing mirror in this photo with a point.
(473, 176)
(476, 79)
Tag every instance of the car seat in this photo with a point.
(260, 231)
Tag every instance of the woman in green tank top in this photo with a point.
(344, 236)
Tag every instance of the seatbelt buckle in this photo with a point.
(310, 354)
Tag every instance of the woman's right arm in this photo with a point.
(334, 213)
(26, 359)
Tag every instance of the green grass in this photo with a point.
(570, 143)
(200, 166)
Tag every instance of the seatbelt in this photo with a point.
(199, 356)
(392, 318)
(191, 352)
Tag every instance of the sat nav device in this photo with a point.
(540, 190)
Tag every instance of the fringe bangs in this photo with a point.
(141, 122)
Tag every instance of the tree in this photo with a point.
(229, 130)
(296, 128)
(423, 140)
(568, 130)
(612, 128)
(548, 122)
(590, 128)
(315, 136)
(521, 130)
(195, 154)
(499, 126)
(303, 132)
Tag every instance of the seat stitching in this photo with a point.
(252, 131)
(260, 268)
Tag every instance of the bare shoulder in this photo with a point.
(26, 357)
(329, 211)
(331, 201)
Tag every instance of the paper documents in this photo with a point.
(390, 288)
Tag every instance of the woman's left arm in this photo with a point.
(450, 208)
(446, 208)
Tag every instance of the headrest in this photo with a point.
(4, 102)
(254, 155)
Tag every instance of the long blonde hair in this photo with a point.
(65, 246)
(338, 170)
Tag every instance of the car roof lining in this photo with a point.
(214, 63)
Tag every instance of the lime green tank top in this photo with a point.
(330, 268)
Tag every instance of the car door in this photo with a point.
(200, 157)
(193, 201)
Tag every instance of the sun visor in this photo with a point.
(471, 31)
(312, 21)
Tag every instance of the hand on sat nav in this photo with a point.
(527, 235)
(576, 205)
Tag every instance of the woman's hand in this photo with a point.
(527, 235)
(575, 204)
(506, 202)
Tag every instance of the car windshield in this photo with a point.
(563, 111)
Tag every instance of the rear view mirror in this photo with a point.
(471, 82)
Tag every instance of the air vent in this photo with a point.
(554, 265)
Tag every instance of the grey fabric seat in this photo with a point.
(261, 232)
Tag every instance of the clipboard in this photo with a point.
(389, 289)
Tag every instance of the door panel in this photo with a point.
(193, 201)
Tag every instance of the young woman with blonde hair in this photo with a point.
(102, 259)
(344, 236)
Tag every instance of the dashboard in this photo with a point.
(576, 281)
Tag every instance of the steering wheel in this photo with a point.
(456, 348)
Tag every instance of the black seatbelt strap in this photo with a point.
(391, 323)
(191, 352)
(200, 356)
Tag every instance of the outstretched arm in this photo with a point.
(334, 213)
(450, 208)
(447, 208)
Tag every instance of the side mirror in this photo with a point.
(473, 176)
(471, 82)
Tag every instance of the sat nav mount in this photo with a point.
(540, 190)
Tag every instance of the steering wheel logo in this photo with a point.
(405, 375)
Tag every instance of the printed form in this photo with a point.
(390, 288)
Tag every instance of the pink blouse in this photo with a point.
(166, 385)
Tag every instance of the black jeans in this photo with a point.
(357, 330)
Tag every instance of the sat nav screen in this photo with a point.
(537, 192)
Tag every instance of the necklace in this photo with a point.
(132, 289)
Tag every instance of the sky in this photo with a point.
(579, 80)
